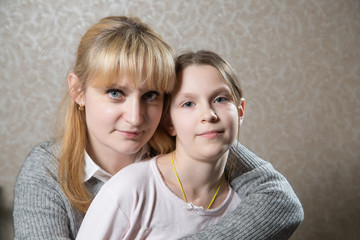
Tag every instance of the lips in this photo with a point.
(129, 134)
(211, 134)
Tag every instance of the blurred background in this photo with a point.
(299, 65)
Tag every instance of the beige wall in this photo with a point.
(299, 63)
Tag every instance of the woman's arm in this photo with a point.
(38, 213)
(269, 208)
(40, 209)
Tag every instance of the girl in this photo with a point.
(122, 75)
(206, 112)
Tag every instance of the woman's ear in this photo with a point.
(169, 126)
(241, 110)
(75, 89)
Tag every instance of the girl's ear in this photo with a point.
(75, 89)
(241, 110)
(169, 126)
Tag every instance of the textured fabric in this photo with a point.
(41, 210)
(269, 208)
(93, 170)
(149, 210)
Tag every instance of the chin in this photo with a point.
(214, 152)
(130, 149)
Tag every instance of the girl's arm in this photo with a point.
(104, 219)
(269, 208)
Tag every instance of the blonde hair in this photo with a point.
(113, 46)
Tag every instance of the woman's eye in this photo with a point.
(115, 93)
(221, 99)
(150, 96)
(188, 104)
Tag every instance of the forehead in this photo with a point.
(125, 79)
(195, 77)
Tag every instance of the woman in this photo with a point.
(123, 72)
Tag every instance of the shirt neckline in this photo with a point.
(189, 205)
(93, 170)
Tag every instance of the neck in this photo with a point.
(109, 160)
(200, 178)
(199, 173)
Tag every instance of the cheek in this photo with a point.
(236, 124)
(233, 121)
(98, 113)
(184, 124)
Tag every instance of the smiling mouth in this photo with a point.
(211, 134)
(129, 134)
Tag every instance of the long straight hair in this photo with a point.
(113, 46)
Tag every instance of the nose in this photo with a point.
(209, 115)
(134, 112)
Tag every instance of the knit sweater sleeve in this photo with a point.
(269, 208)
(40, 209)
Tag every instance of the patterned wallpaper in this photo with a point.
(299, 63)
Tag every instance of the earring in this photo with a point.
(81, 107)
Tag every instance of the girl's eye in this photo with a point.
(188, 104)
(150, 96)
(115, 93)
(221, 99)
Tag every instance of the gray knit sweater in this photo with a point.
(269, 208)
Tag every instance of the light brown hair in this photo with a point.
(204, 57)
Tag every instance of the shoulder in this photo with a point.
(40, 164)
(42, 153)
(135, 176)
(136, 171)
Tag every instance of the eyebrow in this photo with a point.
(127, 89)
(226, 89)
(186, 95)
(182, 97)
(215, 92)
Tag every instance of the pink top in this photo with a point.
(137, 204)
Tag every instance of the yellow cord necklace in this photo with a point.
(182, 190)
